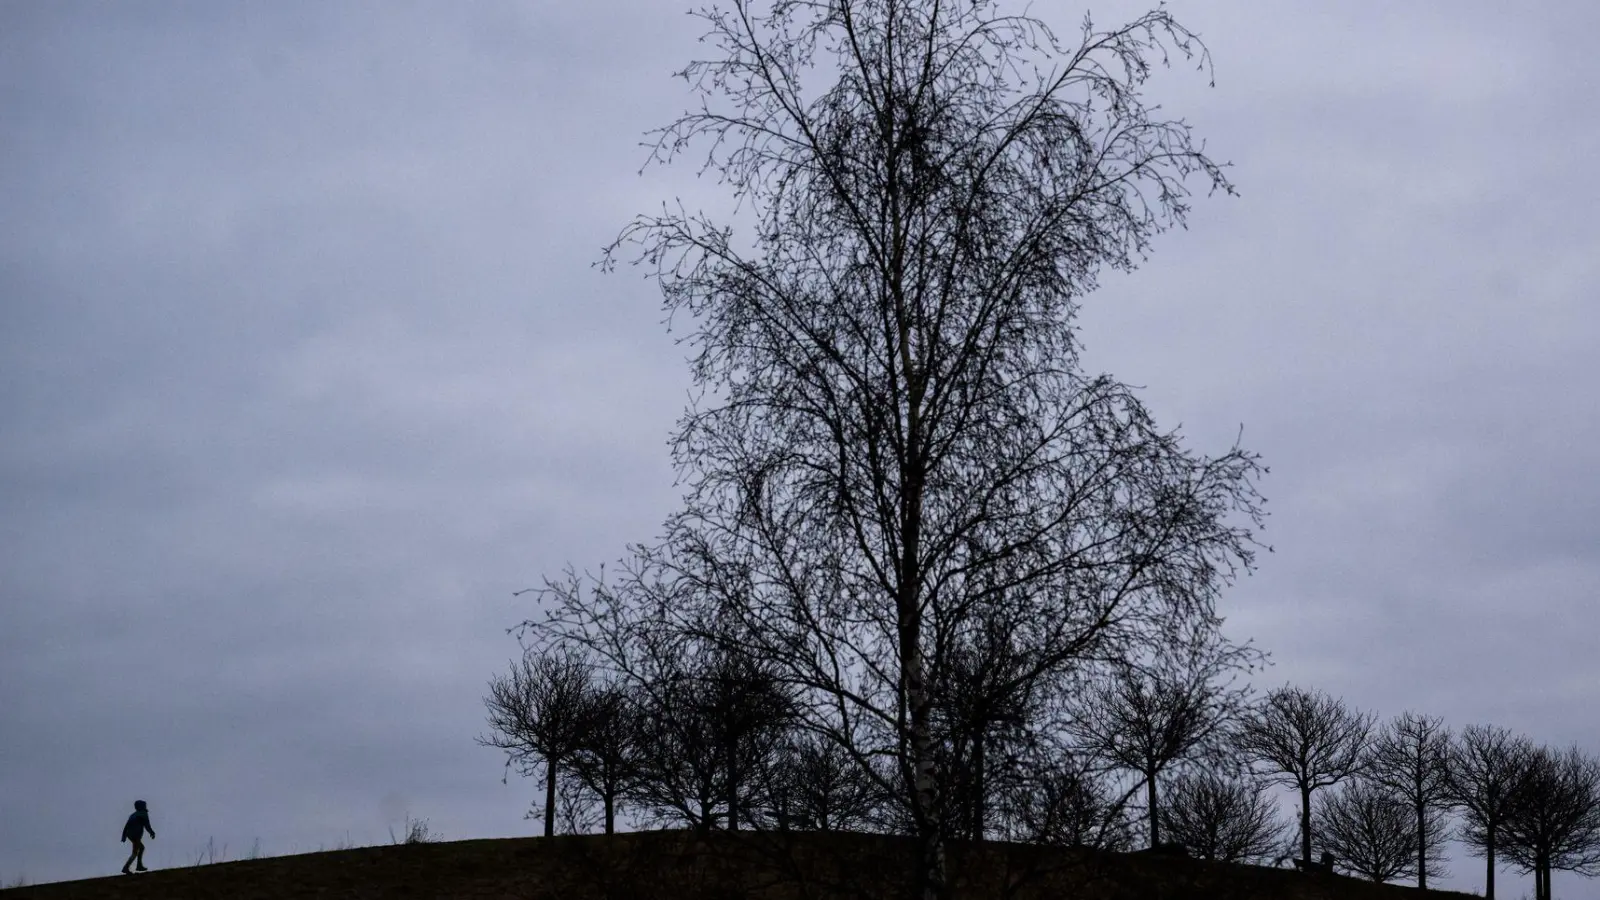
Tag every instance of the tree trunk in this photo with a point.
(1305, 823)
(611, 812)
(930, 833)
(1422, 848)
(977, 789)
(1488, 880)
(908, 603)
(733, 790)
(549, 796)
(1150, 800)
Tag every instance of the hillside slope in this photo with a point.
(674, 864)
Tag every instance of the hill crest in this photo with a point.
(718, 866)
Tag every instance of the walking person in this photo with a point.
(138, 824)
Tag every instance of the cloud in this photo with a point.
(304, 369)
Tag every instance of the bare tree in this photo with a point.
(536, 713)
(1151, 714)
(1369, 830)
(609, 758)
(1066, 802)
(896, 430)
(1306, 740)
(749, 712)
(1554, 817)
(1411, 758)
(984, 704)
(681, 777)
(1488, 764)
(821, 788)
(1222, 818)
(712, 726)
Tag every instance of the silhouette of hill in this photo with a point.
(677, 864)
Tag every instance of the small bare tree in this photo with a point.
(820, 787)
(609, 759)
(749, 712)
(1554, 820)
(1152, 713)
(1066, 802)
(984, 701)
(1411, 758)
(1488, 764)
(712, 728)
(681, 776)
(1369, 830)
(1222, 818)
(536, 713)
(1306, 740)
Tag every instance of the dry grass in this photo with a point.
(676, 864)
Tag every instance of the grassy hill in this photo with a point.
(677, 864)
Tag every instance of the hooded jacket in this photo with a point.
(138, 824)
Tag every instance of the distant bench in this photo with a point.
(1324, 865)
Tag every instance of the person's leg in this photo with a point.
(138, 850)
(130, 860)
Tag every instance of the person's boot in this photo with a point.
(141, 867)
(125, 871)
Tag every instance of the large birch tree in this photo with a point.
(894, 440)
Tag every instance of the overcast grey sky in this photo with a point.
(304, 369)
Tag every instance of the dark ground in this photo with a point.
(673, 864)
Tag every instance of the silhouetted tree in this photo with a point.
(1369, 830)
(896, 428)
(1411, 758)
(749, 714)
(1307, 740)
(1222, 818)
(820, 787)
(1152, 713)
(1488, 763)
(1066, 802)
(680, 775)
(983, 705)
(1554, 817)
(609, 757)
(710, 728)
(536, 712)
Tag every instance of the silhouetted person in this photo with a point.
(138, 824)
